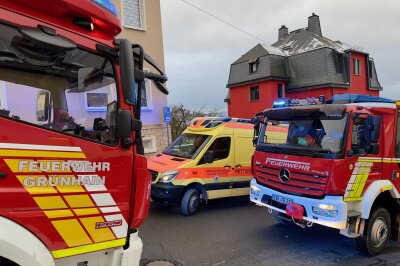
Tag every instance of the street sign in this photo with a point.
(167, 114)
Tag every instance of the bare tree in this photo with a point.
(181, 117)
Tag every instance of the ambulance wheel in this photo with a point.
(190, 202)
(377, 233)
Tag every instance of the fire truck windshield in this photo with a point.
(187, 145)
(66, 89)
(309, 137)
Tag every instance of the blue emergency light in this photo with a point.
(279, 103)
(107, 4)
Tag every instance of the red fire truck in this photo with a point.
(73, 179)
(338, 166)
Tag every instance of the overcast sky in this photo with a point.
(199, 49)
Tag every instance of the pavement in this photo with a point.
(234, 231)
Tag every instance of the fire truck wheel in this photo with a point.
(377, 233)
(190, 202)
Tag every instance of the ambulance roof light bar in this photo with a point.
(108, 5)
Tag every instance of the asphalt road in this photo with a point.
(236, 232)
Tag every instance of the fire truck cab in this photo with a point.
(338, 166)
(73, 179)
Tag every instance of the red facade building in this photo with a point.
(300, 64)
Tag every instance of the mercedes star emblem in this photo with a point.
(284, 175)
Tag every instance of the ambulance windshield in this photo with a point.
(315, 137)
(187, 145)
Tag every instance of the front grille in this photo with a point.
(303, 184)
(154, 175)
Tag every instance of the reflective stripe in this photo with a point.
(88, 248)
(103, 199)
(52, 202)
(352, 199)
(38, 147)
(386, 188)
(79, 201)
(72, 232)
(86, 211)
(58, 213)
(43, 154)
(110, 209)
(97, 234)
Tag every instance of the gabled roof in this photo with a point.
(302, 40)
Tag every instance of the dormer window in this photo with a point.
(253, 67)
(357, 67)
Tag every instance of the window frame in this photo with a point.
(356, 67)
(201, 162)
(281, 88)
(3, 95)
(255, 65)
(142, 13)
(149, 95)
(96, 108)
(258, 93)
(153, 142)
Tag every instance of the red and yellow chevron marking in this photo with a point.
(74, 210)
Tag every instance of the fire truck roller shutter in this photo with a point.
(21, 246)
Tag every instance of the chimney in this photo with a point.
(283, 31)
(313, 24)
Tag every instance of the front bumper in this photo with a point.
(166, 192)
(339, 222)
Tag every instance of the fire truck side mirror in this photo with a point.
(43, 107)
(124, 127)
(373, 128)
(127, 71)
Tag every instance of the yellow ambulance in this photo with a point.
(210, 159)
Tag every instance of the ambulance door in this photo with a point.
(241, 174)
(217, 175)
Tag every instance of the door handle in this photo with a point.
(238, 165)
(3, 174)
(227, 166)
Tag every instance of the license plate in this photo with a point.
(281, 199)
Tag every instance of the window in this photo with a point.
(133, 14)
(357, 67)
(3, 95)
(146, 97)
(97, 100)
(254, 93)
(56, 92)
(221, 148)
(280, 91)
(149, 144)
(253, 67)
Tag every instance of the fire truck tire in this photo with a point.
(190, 202)
(377, 233)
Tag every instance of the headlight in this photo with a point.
(254, 190)
(167, 177)
(325, 210)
